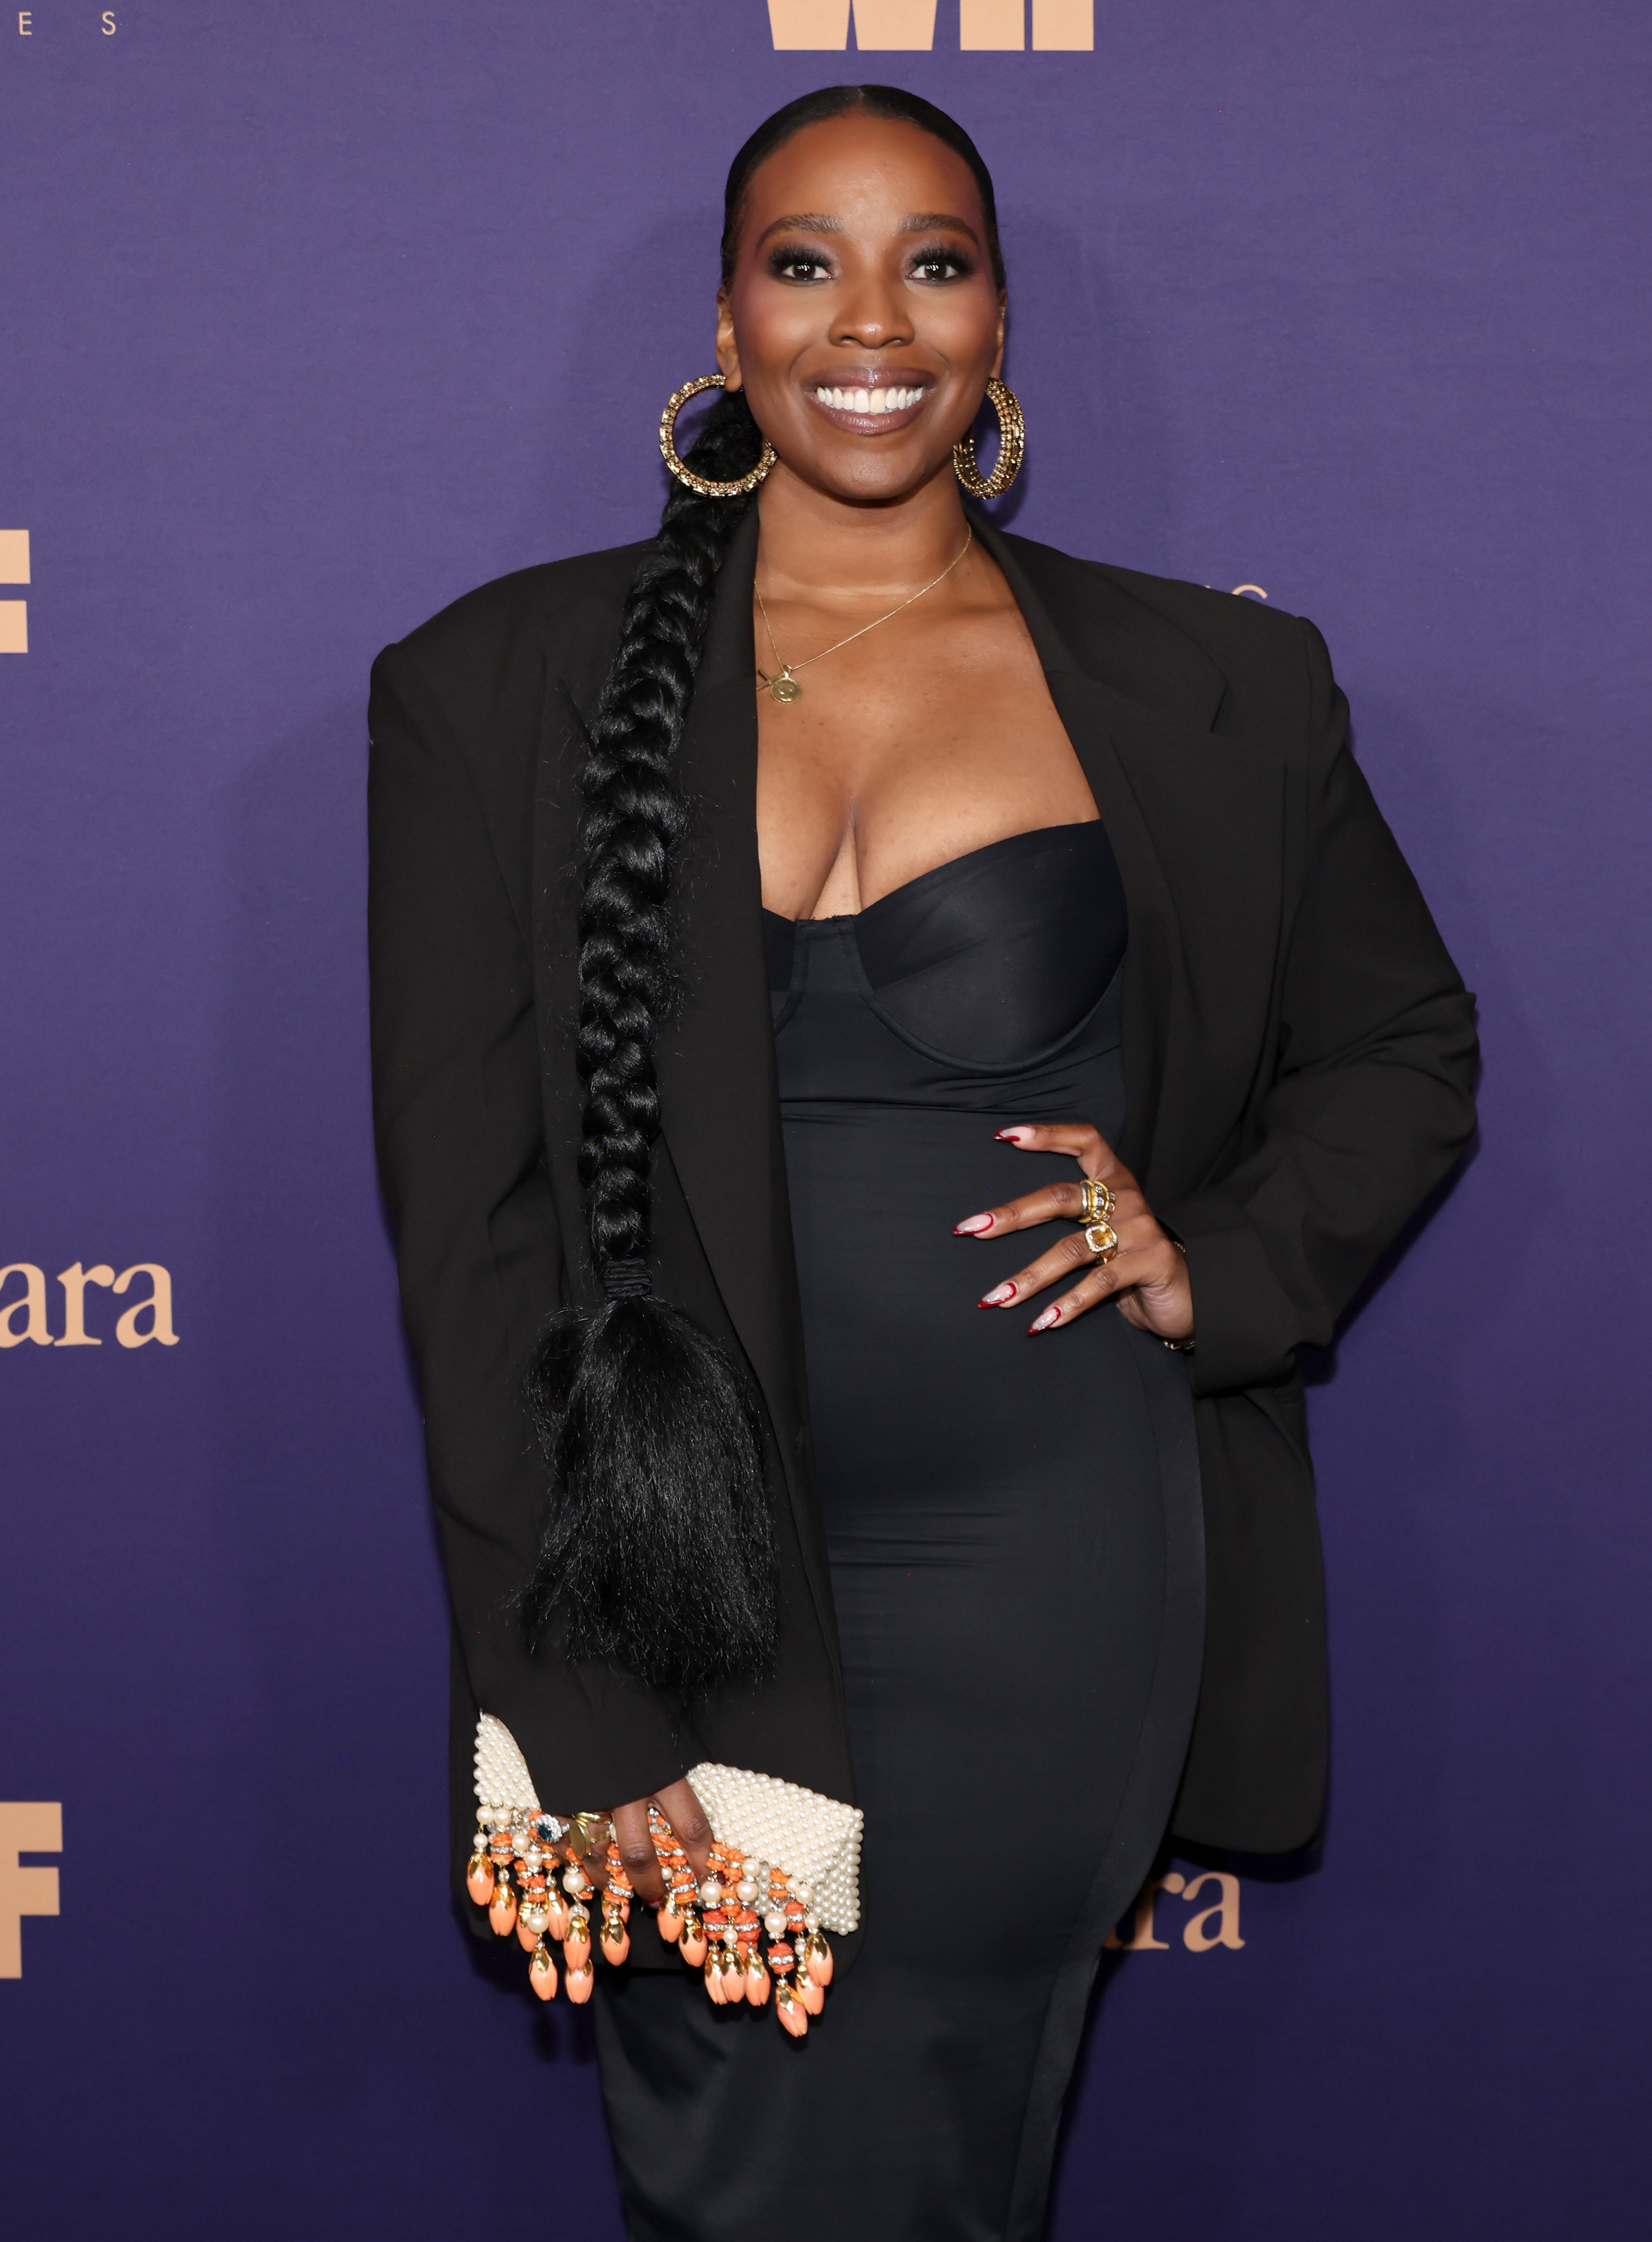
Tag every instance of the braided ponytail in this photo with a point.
(659, 1550)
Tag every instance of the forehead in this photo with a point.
(869, 169)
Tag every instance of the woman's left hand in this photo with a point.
(1148, 1275)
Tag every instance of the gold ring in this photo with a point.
(1098, 1202)
(587, 1832)
(1102, 1240)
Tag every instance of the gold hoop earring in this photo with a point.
(1011, 446)
(674, 404)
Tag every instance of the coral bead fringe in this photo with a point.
(749, 1928)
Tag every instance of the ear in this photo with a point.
(728, 356)
(1003, 321)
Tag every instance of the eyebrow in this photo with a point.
(931, 221)
(919, 222)
(803, 222)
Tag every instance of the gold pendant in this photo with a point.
(782, 685)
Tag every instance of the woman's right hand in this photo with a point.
(686, 1815)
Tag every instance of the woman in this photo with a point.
(787, 935)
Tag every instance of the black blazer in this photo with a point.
(1299, 1057)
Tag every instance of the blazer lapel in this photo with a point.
(1197, 826)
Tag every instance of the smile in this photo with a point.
(867, 404)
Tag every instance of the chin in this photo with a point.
(864, 478)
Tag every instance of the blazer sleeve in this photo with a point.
(459, 1129)
(1372, 1100)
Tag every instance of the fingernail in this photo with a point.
(999, 1297)
(1008, 1136)
(972, 1225)
(1042, 1323)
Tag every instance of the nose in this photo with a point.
(871, 315)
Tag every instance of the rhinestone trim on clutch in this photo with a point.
(786, 1864)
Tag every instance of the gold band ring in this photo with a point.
(1098, 1202)
(1102, 1240)
(588, 1833)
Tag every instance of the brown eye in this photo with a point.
(939, 265)
(798, 264)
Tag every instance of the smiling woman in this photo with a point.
(747, 906)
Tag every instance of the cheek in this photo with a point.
(962, 324)
(771, 326)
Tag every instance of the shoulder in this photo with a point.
(1267, 657)
(500, 678)
(553, 603)
(496, 647)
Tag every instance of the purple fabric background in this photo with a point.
(315, 316)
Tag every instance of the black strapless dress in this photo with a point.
(1016, 1552)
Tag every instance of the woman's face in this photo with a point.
(862, 319)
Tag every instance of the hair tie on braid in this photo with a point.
(659, 1548)
(626, 1280)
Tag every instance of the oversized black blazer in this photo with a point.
(1299, 1054)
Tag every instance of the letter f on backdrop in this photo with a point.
(25, 1828)
(14, 569)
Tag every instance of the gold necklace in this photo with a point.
(783, 685)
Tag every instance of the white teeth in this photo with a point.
(869, 401)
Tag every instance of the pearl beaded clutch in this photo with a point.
(783, 1865)
(815, 1841)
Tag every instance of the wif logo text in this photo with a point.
(1066, 26)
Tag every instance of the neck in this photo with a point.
(811, 544)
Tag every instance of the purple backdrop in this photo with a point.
(313, 317)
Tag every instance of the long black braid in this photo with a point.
(658, 1549)
(634, 816)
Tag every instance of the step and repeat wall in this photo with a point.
(314, 317)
